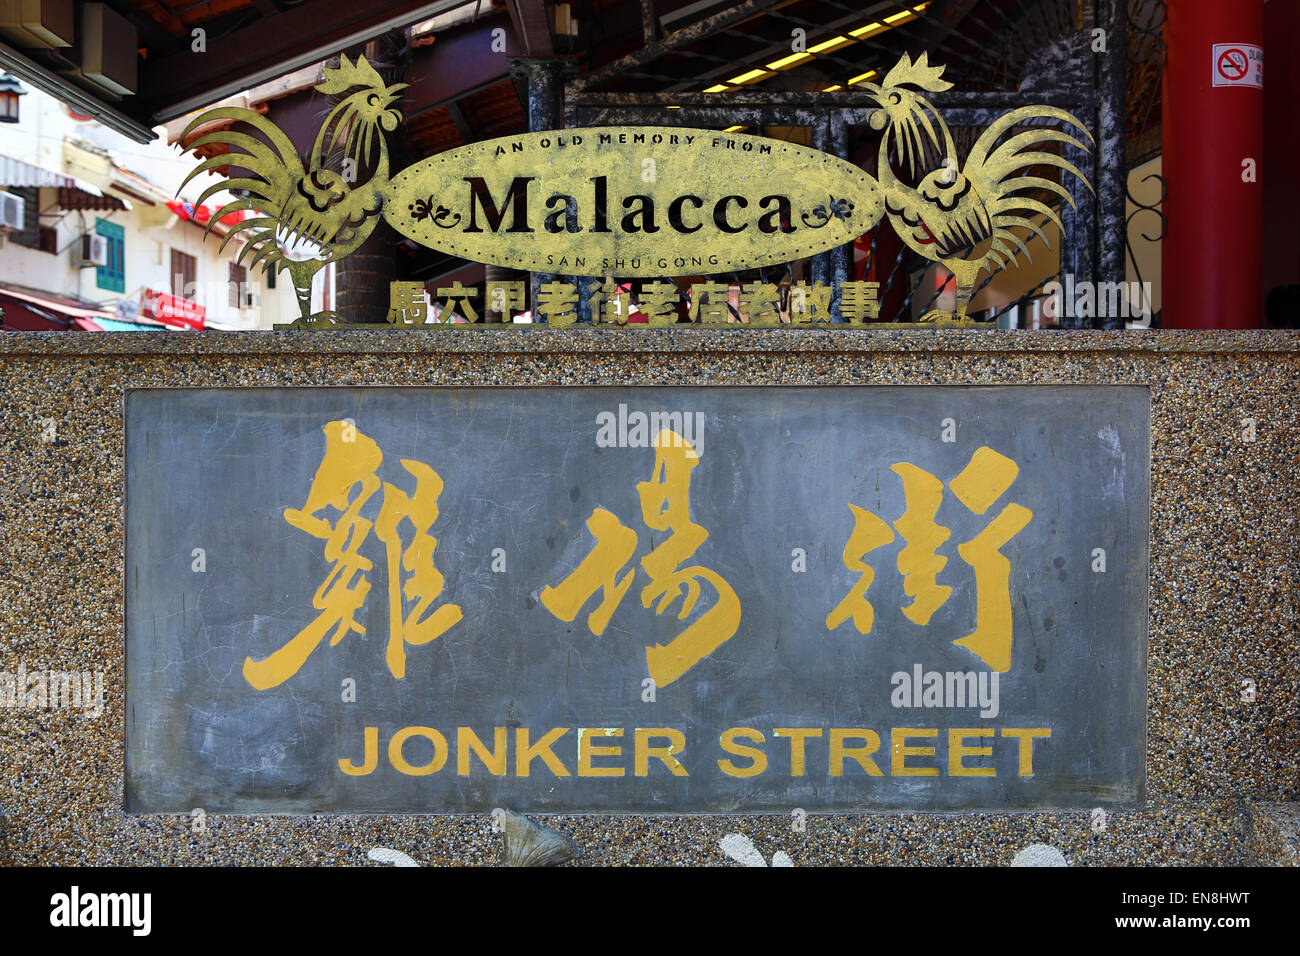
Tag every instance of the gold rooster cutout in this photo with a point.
(305, 214)
(964, 218)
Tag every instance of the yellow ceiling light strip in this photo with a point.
(789, 61)
(749, 77)
(834, 43)
(869, 30)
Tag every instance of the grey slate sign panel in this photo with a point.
(669, 599)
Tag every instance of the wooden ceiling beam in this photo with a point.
(177, 84)
(532, 26)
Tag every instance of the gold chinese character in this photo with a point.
(986, 477)
(615, 545)
(507, 298)
(457, 294)
(659, 303)
(810, 303)
(558, 303)
(919, 562)
(709, 303)
(616, 305)
(407, 304)
(602, 305)
(858, 301)
(665, 506)
(351, 461)
(758, 303)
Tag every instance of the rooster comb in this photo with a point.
(348, 74)
(918, 73)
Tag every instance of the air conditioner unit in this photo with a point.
(13, 211)
(107, 46)
(38, 23)
(92, 251)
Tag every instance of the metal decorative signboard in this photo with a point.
(668, 599)
(633, 201)
(641, 201)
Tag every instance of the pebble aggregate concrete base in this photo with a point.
(1223, 562)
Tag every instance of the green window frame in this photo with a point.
(112, 277)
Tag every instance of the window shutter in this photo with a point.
(111, 277)
(238, 280)
(183, 270)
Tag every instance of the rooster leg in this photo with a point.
(303, 292)
(302, 274)
(310, 320)
(304, 300)
(964, 276)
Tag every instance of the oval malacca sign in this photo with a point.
(632, 201)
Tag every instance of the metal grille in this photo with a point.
(999, 54)
(1144, 226)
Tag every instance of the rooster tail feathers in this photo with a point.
(255, 186)
(252, 185)
(1029, 205)
(213, 162)
(270, 167)
(262, 246)
(1005, 163)
(261, 187)
(1037, 182)
(254, 147)
(273, 133)
(999, 255)
(988, 152)
(1018, 117)
(238, 205)
(1035, 229)
(1005, 236)
(1008, 157)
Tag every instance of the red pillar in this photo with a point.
(1211, 254)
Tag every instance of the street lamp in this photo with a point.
(10, 90)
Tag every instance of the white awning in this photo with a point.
(14, 172)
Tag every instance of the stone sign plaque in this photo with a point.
(667, 599)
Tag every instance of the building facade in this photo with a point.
(98, 233)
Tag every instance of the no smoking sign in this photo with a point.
(1238, 64)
